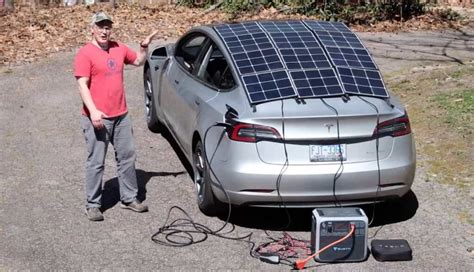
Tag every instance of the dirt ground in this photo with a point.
(42, 225)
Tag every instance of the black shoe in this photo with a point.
(135, 206)
(94, 214)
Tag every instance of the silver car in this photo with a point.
(280, 112)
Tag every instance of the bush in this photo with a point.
(348, 11)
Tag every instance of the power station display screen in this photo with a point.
(341, 226)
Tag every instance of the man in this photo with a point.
(98, 68)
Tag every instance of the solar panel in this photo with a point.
(351, 57)
(257, 62)
(356, 68)
(250, 48)
(328, 26)
(284, 59)
(334, 34)
(316, 83)
(302, 54)
(268, 86)
(297, 45)
(365, 82)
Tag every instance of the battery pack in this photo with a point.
(391, 250)
(332, 224)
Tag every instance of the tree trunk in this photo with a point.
(112, 3)
(9, 5)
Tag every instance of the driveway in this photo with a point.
(42, 222)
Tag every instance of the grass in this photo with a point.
(466, 217)
(440, 103)
(458, 107)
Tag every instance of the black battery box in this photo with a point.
(391, 250)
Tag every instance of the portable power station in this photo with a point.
(332, 224)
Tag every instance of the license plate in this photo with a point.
(321, 153)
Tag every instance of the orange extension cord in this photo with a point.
(300, 264)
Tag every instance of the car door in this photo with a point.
(212, 78)
(177, 109)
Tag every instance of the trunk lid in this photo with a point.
(313, 124)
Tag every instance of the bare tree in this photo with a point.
(9, 4)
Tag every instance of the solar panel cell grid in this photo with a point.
(263, 51)
(297, 45)
(358, 81)
(316, 83)
(268, 86)
(349, 57)
(328, 26)
(288, 26)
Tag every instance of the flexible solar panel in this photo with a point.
(268, 86)
(305, 59)
(351, 57)
(309, 68)
(257, 62)
(355, 66)
(365, 82)
(250, 48)
(316, 83)
(334, 34)
(297, 45)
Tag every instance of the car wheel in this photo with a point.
(154, 125)
(202, 182)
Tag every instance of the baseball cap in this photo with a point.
(101, 16)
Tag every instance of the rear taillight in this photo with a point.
(243, 132)
(395, 127)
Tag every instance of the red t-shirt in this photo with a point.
(105, 71)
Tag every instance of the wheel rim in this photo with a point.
(199, 172)
(148, 99)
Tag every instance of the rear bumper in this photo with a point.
(249, 181)
(300, 187)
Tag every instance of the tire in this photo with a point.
(202, 182)
(154, 125)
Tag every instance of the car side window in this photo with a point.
(216, 70)
(188, 50)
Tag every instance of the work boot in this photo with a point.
(135, 206)
(94, 214)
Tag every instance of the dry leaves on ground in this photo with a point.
(29, 34)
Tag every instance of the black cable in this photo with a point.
(179, 233)
(378, 159)
(284, 167)
(376, 232)
(217, 179)
(340, 170)
(280, 175)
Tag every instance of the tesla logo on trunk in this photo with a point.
(329, 127)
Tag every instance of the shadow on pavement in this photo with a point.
(111, 191)
(419, 47)
(299, 219)
(392, 211)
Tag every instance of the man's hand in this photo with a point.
(96, 118)
(148, 39)
(141, 53)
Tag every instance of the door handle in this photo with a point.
(176, 81)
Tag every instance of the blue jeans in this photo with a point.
(117, 131)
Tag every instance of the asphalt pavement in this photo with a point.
(42, 221)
